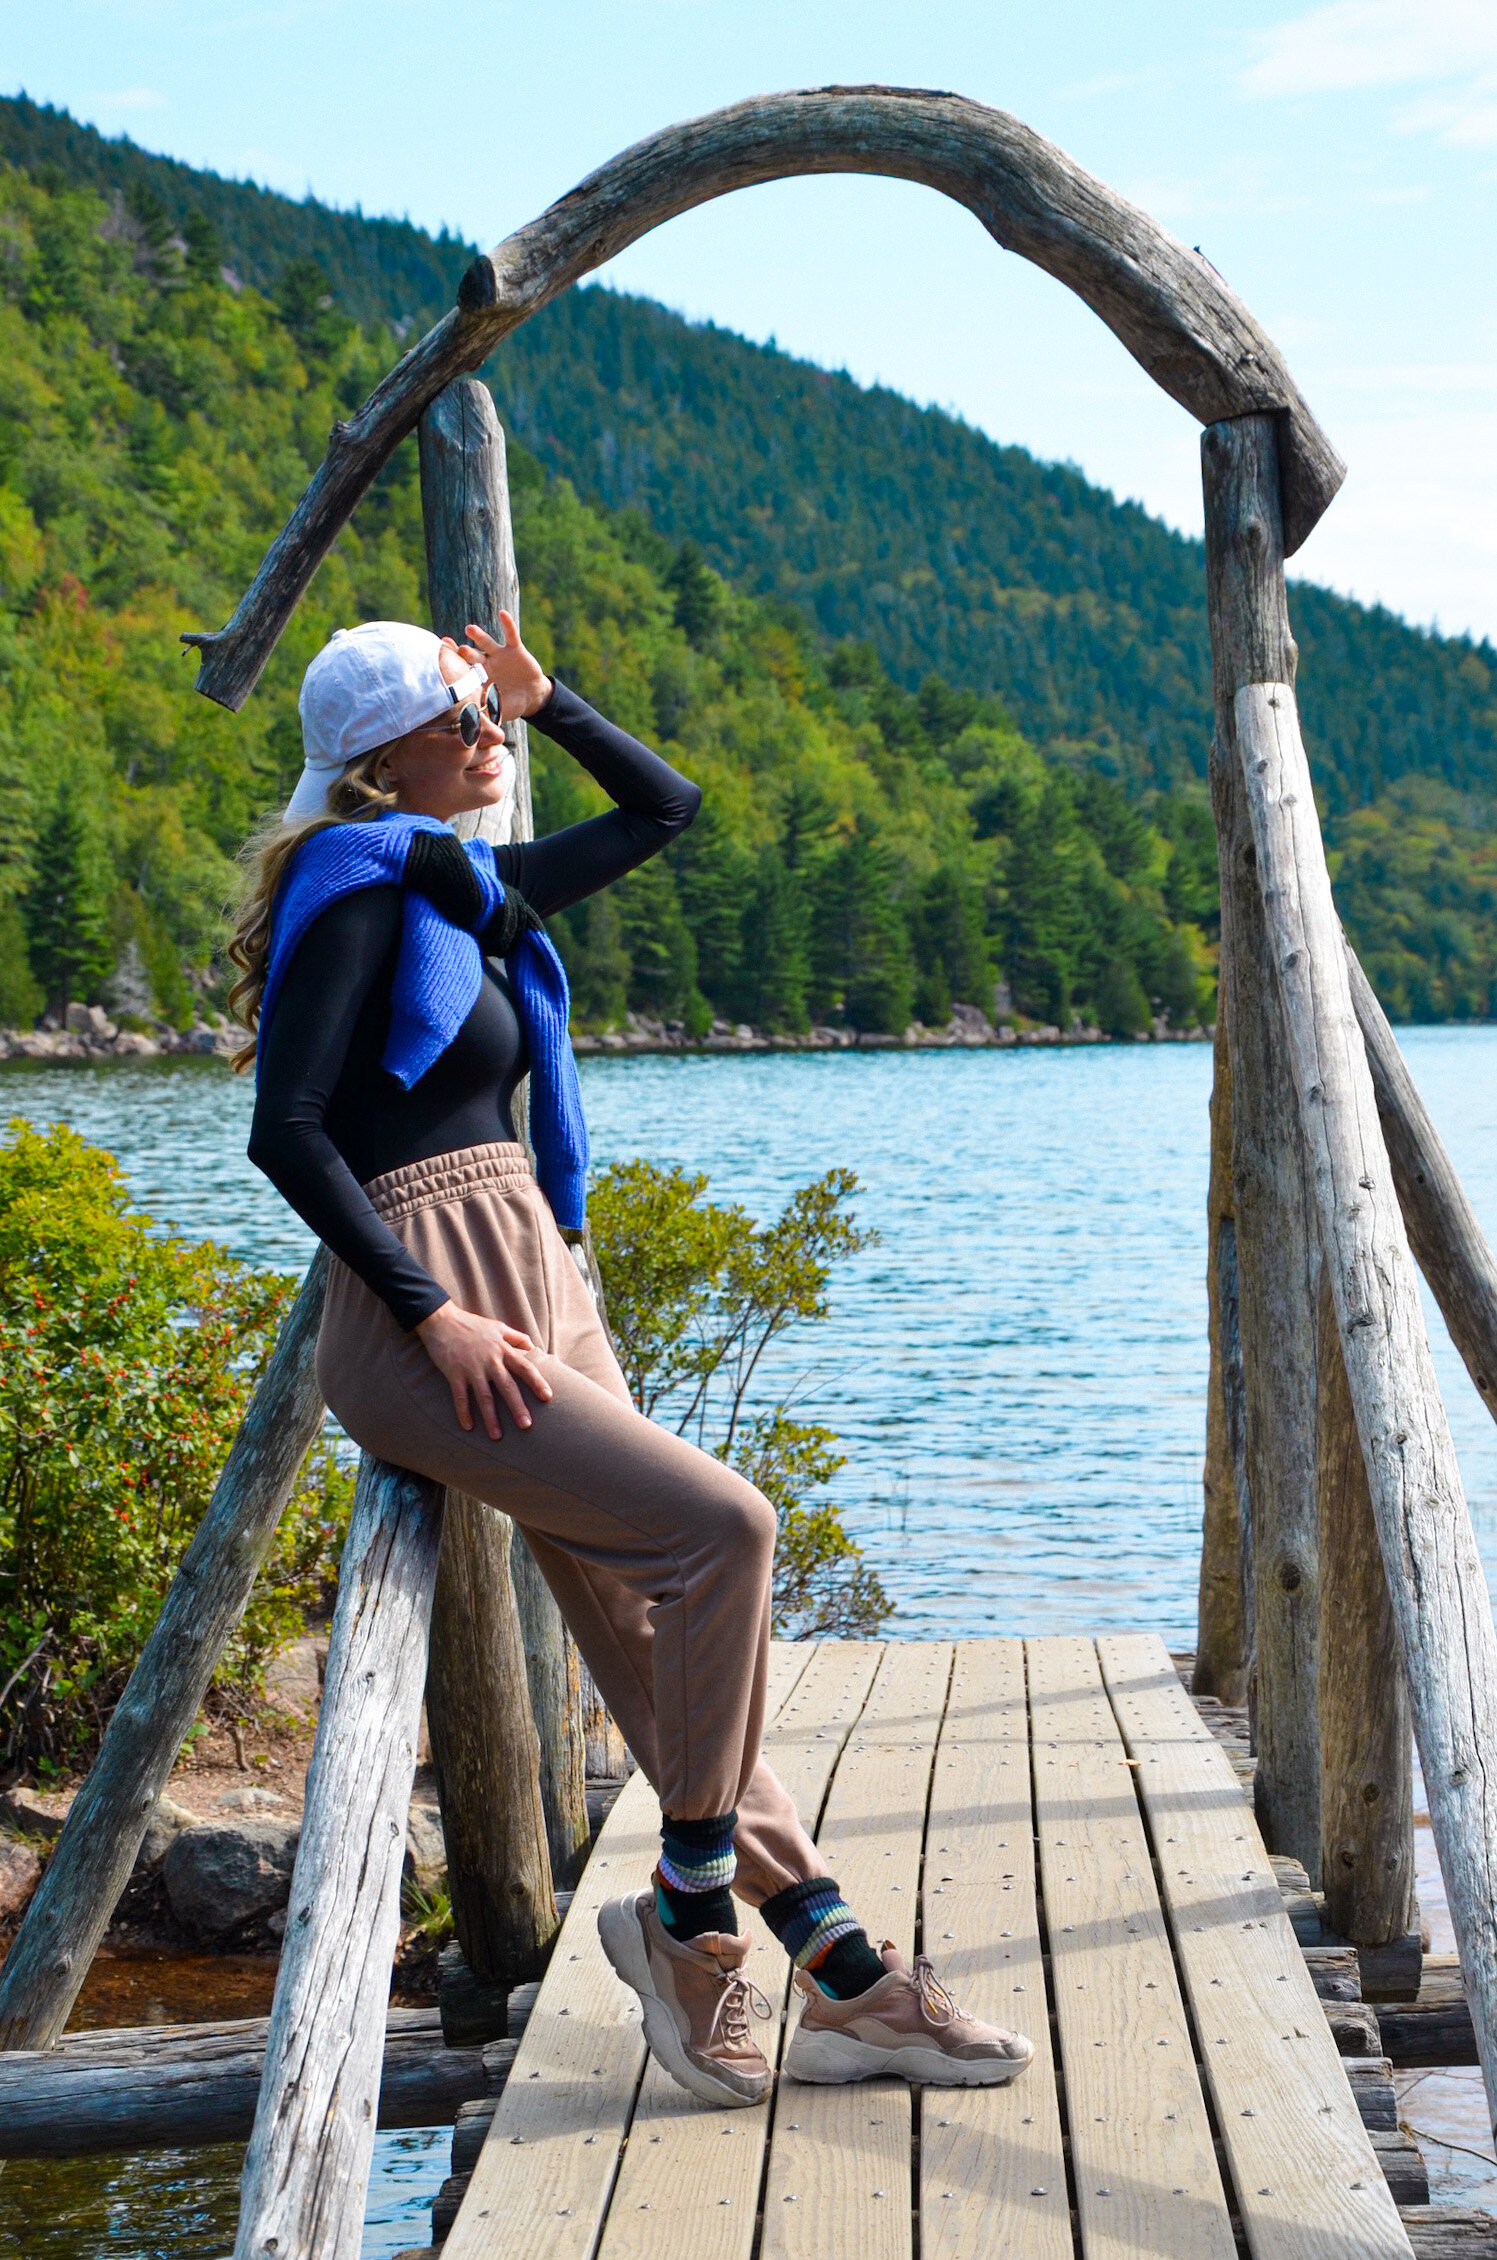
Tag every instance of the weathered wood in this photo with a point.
(556, 1703)
(542, 2184)
(1434, 1571)
(175, 2085)
(307, 2167)
(1275, 1228)
(838, 2178)
(1366, 1737)
(689, 2179)
(606, 1758)
(1354, 2027)
(1403, 2168)
(96, 1850)
(1146, 2175)
(1434, 2029)
(1450, 2232)
(484, 1738)
(991, 2160)
(1300, 2158)
(1168, 305)
(1448, 1243)
(487, 1756)
(1224, 1617)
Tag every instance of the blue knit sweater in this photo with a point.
(438, 973)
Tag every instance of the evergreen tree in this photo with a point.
(306, 305)
(20, 994)
(716, 888)
(67, 906)
(698, 593)
(951, 949)
(598, 963)
(777, 948)
(205, 251)
(662, 953)
(1122, 1007)
(860, 949)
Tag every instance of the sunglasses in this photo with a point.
(469, 719)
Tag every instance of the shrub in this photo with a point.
(126, 1359)
(696, 1294)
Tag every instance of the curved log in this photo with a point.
(1165, 302)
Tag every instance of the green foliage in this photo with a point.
(126, 1359)
(871, 847)
(697, 1293)
(67, 905)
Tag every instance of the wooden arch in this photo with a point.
(1167, 303)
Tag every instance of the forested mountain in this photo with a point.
(854, 617)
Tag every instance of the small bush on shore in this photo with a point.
(126, 1360)
(696, 1294)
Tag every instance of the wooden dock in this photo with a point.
(1052, 1822)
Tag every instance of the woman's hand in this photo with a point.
(479, 1355)
(518, 677)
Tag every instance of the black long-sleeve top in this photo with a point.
(328, 1117)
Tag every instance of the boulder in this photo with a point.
(293, 1679)
(168, 1819)
(222, 1875)
(425, 1846)
(249, 1801)
(20, 1872)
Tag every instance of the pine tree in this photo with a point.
(951, 949)
(860, 947)
(67, 906)
(777, 948)
(715, 886)
(698, 594)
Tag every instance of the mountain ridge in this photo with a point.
(881, 520)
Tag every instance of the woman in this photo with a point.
(400, 987)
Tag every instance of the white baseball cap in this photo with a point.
(366, 686)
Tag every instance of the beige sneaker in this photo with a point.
(905, 2027)
(695, 1997)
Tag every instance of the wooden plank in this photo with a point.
(542, 2184)
(1145, 2172)
(992, 2166)
(688, 2188)
(840, 2157)
(1307, 2182)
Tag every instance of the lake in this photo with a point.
(1016, 1370)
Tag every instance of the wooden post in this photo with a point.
(487, 1759)
(307, 2167)
(1434, 1572)
(1451, 1248)
(1223, 1644)
(607, 1759)
(1366, 1738)
(494, 1747)
(1276, 1241)
(555, 1687)
(93, 1856)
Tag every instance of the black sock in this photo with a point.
(686, 1914)
(692, 1882)
(823, 1937)
(848, 1967)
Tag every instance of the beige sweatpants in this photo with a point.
(658, 1555)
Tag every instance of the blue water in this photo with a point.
(1017, 1372)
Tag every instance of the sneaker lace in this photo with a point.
(936, 2002)
(739, 1997)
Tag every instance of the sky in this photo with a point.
(1336, 162)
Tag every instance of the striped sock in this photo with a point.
(697, 1866)
(822, 1936)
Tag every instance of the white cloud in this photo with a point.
(1446, 46)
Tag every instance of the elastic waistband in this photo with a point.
(500, 1167)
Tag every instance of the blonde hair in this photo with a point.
(360, 793)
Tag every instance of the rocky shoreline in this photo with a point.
(90, 1034)
(967, 1030)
